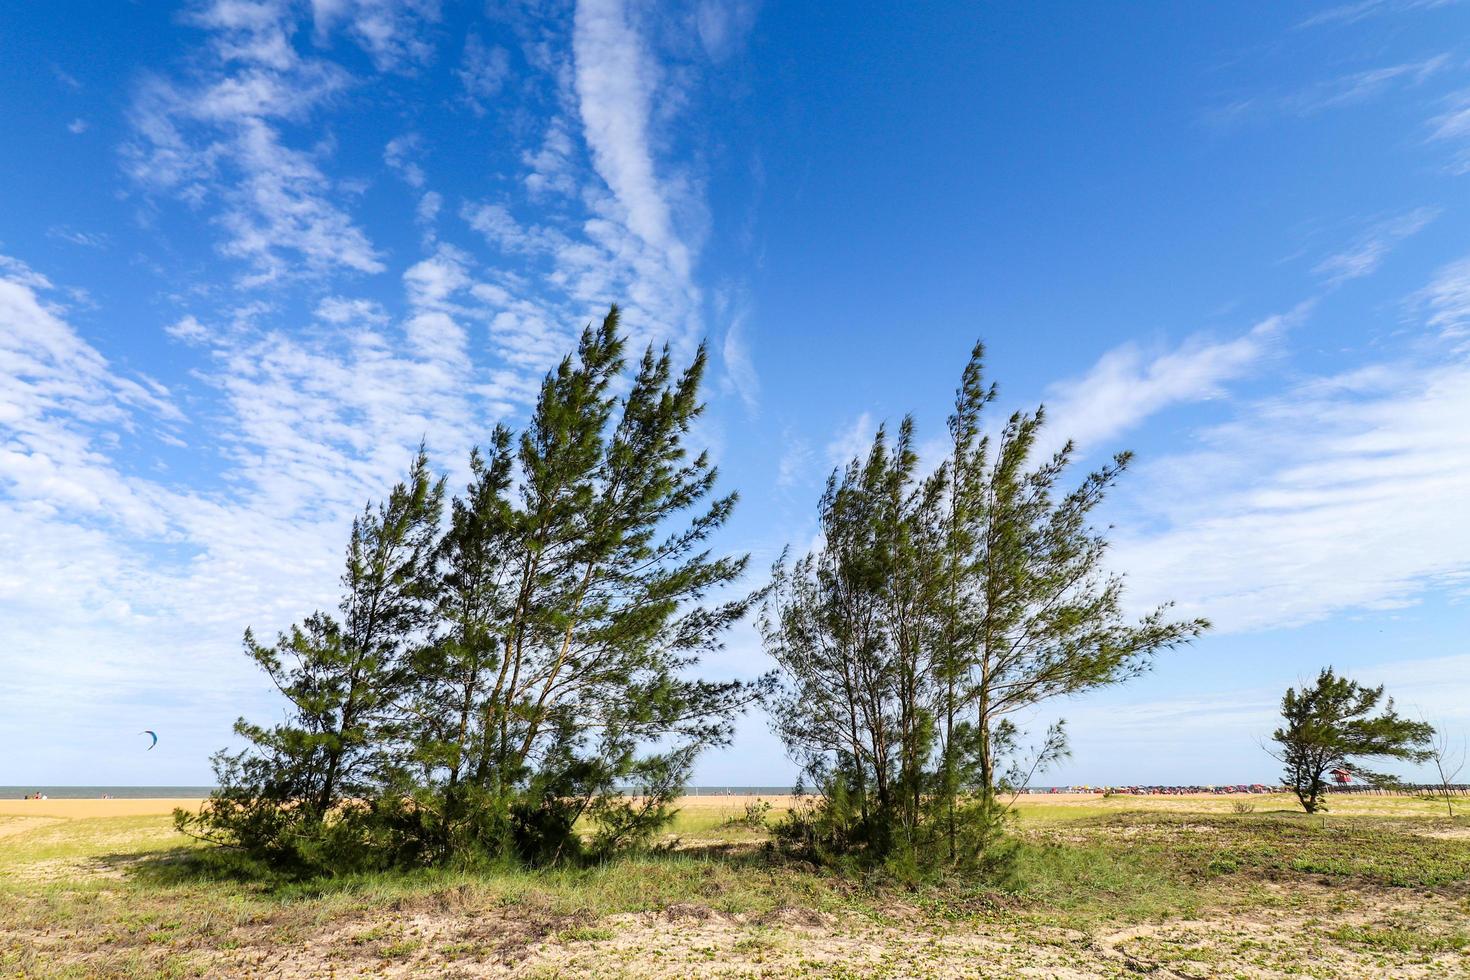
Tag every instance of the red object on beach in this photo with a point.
(1342, 777)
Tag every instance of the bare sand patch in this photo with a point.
(1452, 833)
(87, 809)
(92, 808)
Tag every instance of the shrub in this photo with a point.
(754, 817)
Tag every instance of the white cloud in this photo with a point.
(1340, 92)
(722, 25)
(1344, 493)
(392, 32)
(615, 84)
(400, 154)
(431, 281)
(738, 365)
(286, 209)
(215, 138)
(1367, 252)
(1126, 385)
(77, 127)
(131, 578)
(1447, 298)
(429, 206)
(188, 329)
(1351, 89)
(62, 407)
(341, 310)
(1453, 125)
(1351, 13)
(796, 460)
(500, 228)
(852, 441)
(551, 165)
(483, 70)
(89, 239)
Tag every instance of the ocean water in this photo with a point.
(116, 792)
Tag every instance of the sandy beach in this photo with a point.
(83, 809)
(714, 807)
(735, 802)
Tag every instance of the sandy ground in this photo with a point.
(86, 809)
(1301, 926)
(83, 809)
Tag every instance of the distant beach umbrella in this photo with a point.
(149, 731)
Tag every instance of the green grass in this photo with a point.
(149, 902)
(1403, 940)
(1366, 850)
(1079, 885)
(90, 838)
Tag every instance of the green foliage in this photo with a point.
(1333, 725)
(1404, 940)
(496, 682)
(755, 816)
(835, 832)
(935, 609)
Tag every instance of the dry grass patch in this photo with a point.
(1103, 891)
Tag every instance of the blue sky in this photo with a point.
(251, 251)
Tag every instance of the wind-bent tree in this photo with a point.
(340, 679)
(574, 605)
(1033, 611)
(851, 626)
(1333, 725)
(530, 663)
(933, 611)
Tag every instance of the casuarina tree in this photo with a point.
(499, 683)
(851, 626)
(933, 611)
(1339, 724)
(572, 607)
(1031, 609)
(302, 794)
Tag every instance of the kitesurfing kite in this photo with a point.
(149, 731)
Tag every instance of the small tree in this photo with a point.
(1031, 609)
(298, 796)
(852, 627)
(1449, 760)
(1333, 725)
(935, 611)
